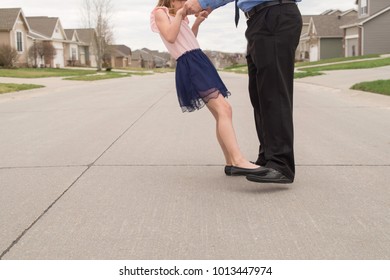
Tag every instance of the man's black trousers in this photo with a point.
(273, 36)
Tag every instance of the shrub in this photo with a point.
(8, 56)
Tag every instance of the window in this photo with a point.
(19, 41)
(73, 53)
(364, 7)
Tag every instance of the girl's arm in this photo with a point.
(169, 30)
(199, 19)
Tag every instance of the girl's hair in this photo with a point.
(166, 3)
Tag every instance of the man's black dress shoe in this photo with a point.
(272, 176)
(239, 171)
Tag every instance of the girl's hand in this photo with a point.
(200, 17)
(182, 12)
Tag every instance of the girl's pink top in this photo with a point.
(186, 39)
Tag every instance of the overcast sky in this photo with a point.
(131, 21)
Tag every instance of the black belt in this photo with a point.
(261, 6)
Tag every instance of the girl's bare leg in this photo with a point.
(226, 135)
(219, 138)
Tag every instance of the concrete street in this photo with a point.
(114, 170)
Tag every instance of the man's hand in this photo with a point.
(192, 7)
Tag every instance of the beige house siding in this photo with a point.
(9, 38)
(376, 35)
(92, 58)
(71, 54)
(303, 49)
(4, 38)
(12, 23)
(120, 62)
(20, 27)
(82, 55)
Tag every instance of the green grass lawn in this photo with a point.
(380, 86)
(316, 70)
(4, 88)
(76, 74)
(333, 60)
(99, 76)
(304, 74)
(242, 69)
(163, 70)
(42, 72)
(352, 65)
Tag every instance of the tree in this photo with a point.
(8, 56)
(43, 50)
(33, 54)
(49, 52)
(97, 14)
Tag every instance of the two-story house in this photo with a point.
(370, 34)
(321, 36)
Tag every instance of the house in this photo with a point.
(370, 33)
(71, 55)
(145, 58)
(162, 59)
(321, 36)
(302, 51)
(87, 46)
(49, 29)
(81, 47)
(13, 32)
(72, 46)
(120, 56)
(142, 59)
(221, 59)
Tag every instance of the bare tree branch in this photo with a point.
(98, 14)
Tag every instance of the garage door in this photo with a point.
(59, 58)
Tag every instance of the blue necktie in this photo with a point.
(237, 15)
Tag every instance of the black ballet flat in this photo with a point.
(239, 171)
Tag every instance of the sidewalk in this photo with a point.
(113, 170)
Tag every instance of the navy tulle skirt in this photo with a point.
(197, 81)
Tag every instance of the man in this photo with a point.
(274, 28)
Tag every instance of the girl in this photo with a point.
(197, 80)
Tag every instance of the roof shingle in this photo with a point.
(8, 18)
(43, 25)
